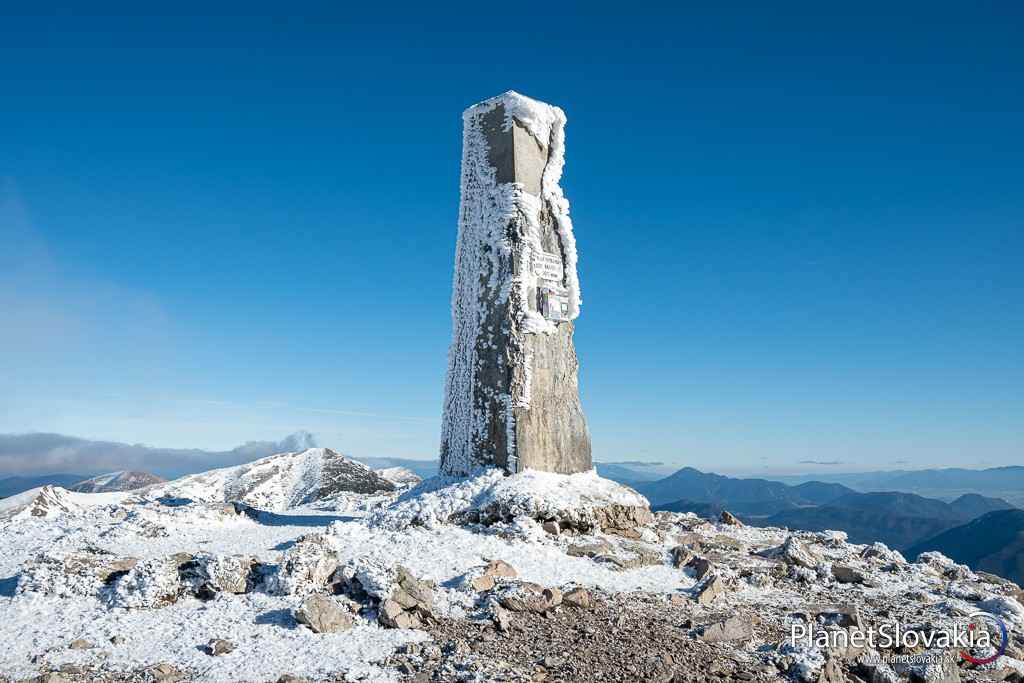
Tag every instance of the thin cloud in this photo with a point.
(23, 454)
(821, 462)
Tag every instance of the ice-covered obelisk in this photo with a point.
(511, 395)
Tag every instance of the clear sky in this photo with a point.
(801, 230)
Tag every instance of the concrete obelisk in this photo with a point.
(511, 395)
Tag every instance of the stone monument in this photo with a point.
(511, 394)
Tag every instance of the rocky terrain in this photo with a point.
(533, 577)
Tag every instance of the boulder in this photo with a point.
(599, 547)
(79, 573)
(728, 518)
(219, 646)
(579, 598)
(307, 567)
(699, 566)
(793, 552)
(165, 673)
(500, 568)
(80, 644)
(150, 583)
(553, 596)
(412, 593)
(623, 520)
(529, 597)
(734, 628)
(208, 574)
(482, 583)
(551, 527)
(323, 615)
(411, 601)
(847, 574)
(712, 587)
(681, 555)
(393, 615)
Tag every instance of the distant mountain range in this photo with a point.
(1003, 482)
(10, 486)
(896, 518)
(993, 542)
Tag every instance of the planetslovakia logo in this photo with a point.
(974, 623)
(977, 632)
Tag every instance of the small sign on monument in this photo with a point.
(554, 304)
(547, 266)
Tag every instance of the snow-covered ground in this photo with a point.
(555, 530)
(38, 628)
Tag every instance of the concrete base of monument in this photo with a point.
(566, 503)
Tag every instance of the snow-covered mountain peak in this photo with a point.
(278, 482)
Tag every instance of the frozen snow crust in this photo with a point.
(163, 576)
(491, 496)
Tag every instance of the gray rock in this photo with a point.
(393, 615)
(80, 644)
(712, 587)
(482, 583)
(323, 615)
(846, 574)
(734, 628)
(551, 528)
(623, 520)
(166, 673)
(681, 555)
(579, 598)
(793, 552)
(502, 619)
(289, 678)
(500, 568)
(590, 549)
(219, 646)
(728, 518)
(699, 566)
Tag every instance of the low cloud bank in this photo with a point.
(25, 454)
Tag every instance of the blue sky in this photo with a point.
(801, 230)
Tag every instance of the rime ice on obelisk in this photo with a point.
(511, 396)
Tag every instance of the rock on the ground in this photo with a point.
(699, 566)
(712, 587)
(166, 673)
(793, 552)
(500, 568)
(323, 614)
(219, 646)
(75, 574)
(411, 601)
(846, 574)
(730, 519)
(734, 628)
(306, 567)
(149, 584)
(579, 598)
(623, 520)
